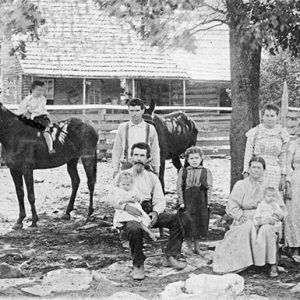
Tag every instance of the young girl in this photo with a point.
(270, 208)
(125, 193)
(194, 185)
(34, 107)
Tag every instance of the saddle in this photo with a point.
(31, 123)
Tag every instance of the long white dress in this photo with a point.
(292, 221)
(243, 245)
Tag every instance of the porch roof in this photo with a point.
(79, 41)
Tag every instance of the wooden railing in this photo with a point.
(213, 128)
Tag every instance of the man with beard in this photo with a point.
(135, 131)
(153, 203)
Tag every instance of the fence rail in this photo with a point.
(213, 127)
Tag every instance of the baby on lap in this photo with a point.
(125, 193)
(270, 208)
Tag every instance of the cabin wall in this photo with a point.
(164, 92)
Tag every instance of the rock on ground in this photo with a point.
(209, 286)
(63, 280)
(8, 271)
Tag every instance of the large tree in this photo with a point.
(253, 24)
(19, 17)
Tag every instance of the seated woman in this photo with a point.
(243, 244)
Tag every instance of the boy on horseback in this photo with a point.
(34, 107)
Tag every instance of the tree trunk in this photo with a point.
(245, 68)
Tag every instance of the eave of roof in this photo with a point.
(79, 41)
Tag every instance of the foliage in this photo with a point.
(174, 23)
(19, 18)
(253, 24)
(274, 70)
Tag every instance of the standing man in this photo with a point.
(153, 203)
(134, 131)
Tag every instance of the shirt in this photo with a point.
(36, 106)
(270, 144)
(148, 186)
(244, 198)
(265, 210)
(119, 195)
(136, 134)
(193, 179)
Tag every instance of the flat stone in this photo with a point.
(12, 282)
(228, 284)
(125, 295)
(8, 271)
(296, 288)
(63, 280)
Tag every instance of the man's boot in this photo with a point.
(174, 263)
(138, 273)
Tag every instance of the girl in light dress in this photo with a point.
(124, 194)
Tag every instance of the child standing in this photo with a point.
(34, 107)
(124, 193)
(270, 210)
(194, 185)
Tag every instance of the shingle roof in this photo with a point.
(211, 62)
(79, 41)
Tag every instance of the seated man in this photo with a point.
(153, 203)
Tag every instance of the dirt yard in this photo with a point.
(94, 245)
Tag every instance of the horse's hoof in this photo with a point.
(17, 226)
(66, 217)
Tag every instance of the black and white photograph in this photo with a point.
(150, 149)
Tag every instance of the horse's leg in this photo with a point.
(162, 173)
(90, 166)
(18, 181)
(28, 176)
(75, 180)
(176, 162)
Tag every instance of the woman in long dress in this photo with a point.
(243, 244)
(270, 141)
(292, 221)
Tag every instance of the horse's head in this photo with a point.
(148, 114)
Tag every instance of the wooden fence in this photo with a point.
(213, 136)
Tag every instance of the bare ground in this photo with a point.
(95, 245)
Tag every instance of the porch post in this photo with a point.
(170, 92)
(133, 88)
(84, 94)
(184, 93)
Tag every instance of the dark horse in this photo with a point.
(176, 132)
(24, 149)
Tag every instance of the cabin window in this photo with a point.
(49, 88)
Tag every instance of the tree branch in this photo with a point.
(207, 28)
(223, 12)
(206, 22)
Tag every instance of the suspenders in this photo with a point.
(126, 138)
